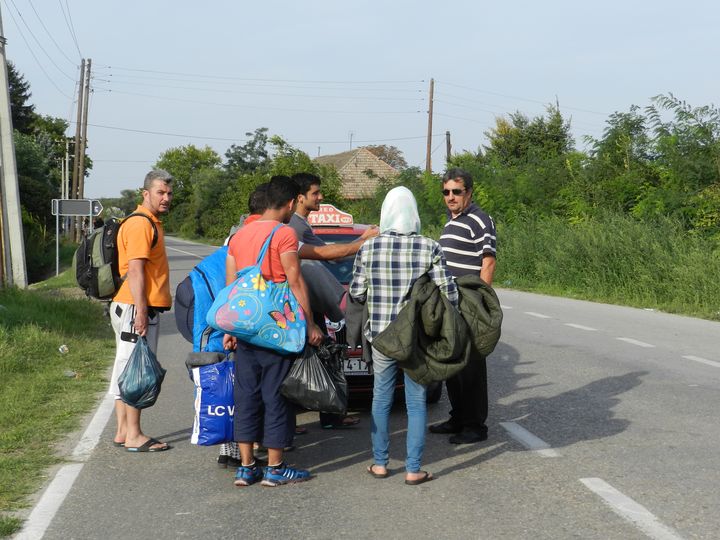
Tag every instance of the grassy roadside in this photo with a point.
(44, 392)
(614, 259)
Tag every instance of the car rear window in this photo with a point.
(340, 268)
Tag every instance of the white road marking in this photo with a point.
(581, 327)
(538, 315)
(528, 440)
(50, 502)
(505, 307)
(92, 434)
(185, 252)
(632, 341)
(628, 509)
(702, 360)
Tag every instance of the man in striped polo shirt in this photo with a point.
(468, 243)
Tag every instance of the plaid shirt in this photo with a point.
(387, 266)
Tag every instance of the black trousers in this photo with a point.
(468, 393)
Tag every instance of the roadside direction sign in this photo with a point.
(76, 207)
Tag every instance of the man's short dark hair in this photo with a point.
(257, 202)
(306, 181)
(281, 190)
(459, 174)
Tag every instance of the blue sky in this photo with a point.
(167, 74)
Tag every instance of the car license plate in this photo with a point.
(356, 366)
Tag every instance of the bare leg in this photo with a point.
(134, 436)
(275, 456)
(246, 453)
(121, 432)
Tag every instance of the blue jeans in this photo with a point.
(385, 370)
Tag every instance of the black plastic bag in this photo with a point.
(316, 380)
(142, 377)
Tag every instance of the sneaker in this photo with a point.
(283, 474)
(247, 476)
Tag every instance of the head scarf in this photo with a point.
(399, 212)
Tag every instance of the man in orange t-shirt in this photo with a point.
(262, 414)
(145, 292)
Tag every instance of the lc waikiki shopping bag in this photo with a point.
(214, 378)
(260, 312)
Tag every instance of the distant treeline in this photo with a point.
(633, 217)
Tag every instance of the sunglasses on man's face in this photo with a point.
(456, 191)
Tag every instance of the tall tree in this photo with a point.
(391, 155)
(186, 163)
(250, 156)
(21, 110)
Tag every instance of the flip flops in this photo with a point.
(371, 471)
(118, 444)
(425, 478)
(147, 447)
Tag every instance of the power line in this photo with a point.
(225, 139)
(112, 77)
(36, 58)
(71, 26)
(225, 77)
(259, 107)
(462, 118)
(497, 114)
(279, 94)
(520, 98)
(466, 107)
(50, 35)
(36, 39)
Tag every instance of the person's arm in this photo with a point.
(291, 265)
(358, 284)
(329, 252)
(441, 277)
(136, 282)
(230, 342)
(488, 269)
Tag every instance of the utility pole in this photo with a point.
(428, 151)
(83, 137)
(12, 244)
(78, 131)
(448, 147)
(65, 171)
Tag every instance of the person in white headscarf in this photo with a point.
(385, 269)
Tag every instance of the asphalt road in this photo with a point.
(602, 423)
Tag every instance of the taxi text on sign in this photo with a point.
(329, 215)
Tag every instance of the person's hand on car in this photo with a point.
(370, 232)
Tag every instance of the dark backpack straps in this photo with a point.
(155, 233)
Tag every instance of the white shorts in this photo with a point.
(121, 318)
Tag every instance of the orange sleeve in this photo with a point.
(286, 239)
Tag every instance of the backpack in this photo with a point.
(95, 263)
(193, 298)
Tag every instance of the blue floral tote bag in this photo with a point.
(260, 312)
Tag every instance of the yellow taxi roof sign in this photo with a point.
(329, 216)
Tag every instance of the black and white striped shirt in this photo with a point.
(466, 239)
